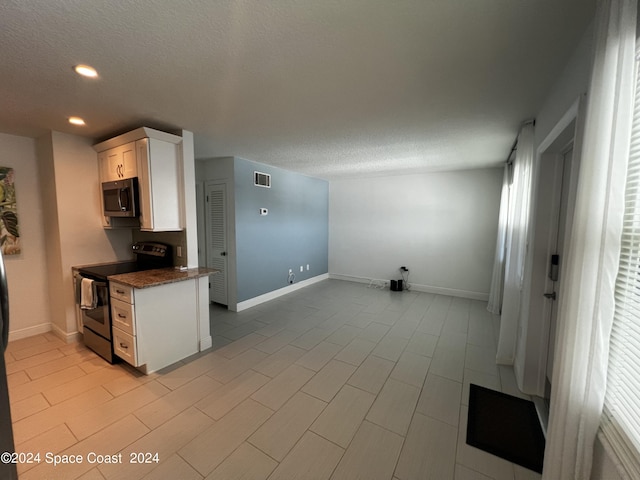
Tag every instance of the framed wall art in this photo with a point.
(9, 233)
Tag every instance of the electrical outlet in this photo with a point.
(179, 251)
(307, 267)
(301, 269)
(290, 271)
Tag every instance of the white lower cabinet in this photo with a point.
(123, 328)
(123, 316)
(156, 326)
(121, 292)
(124, 346)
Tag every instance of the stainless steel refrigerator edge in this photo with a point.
(7, 470)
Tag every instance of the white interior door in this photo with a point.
(217, 241)
(557, 250)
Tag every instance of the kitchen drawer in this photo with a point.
(121, 292)
(123, 316)
(124, 346)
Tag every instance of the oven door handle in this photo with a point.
(96, 283)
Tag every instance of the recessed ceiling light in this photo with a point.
(76, 121)
(86, 71)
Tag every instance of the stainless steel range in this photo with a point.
(96, 318)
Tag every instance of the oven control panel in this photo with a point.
(151, 248)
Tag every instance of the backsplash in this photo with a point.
(175, 239)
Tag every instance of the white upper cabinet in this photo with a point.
(155, 158)
(118, 163)
(160, 193)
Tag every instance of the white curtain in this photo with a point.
(517, 227)
(497, 279)
(587, 306)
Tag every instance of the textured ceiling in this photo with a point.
(327, 88)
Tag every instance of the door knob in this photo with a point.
(552, 295)
(224, 254)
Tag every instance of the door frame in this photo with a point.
(531, 354)
(209, 186)
(552, 166)
(232, 293)
(554, 149)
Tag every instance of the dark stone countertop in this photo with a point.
(160, 276)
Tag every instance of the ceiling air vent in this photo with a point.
(262, 179)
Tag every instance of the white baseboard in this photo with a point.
(374, 282)
(64, 336)
(29, 331)
(44, 328)
(205, 343)
(252, 302)
(451, 292)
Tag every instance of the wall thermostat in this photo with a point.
(264, 211)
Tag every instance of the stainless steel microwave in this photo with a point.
(120, 198)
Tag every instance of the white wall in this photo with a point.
(82, 238)
(72, 208)
(442, 226)
(28, 295)
(46, 172)
(572, 82)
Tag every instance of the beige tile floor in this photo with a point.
(333, 381)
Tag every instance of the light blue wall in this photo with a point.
(294, 233)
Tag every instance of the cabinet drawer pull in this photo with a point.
(122, 316)
(124, 345)
(121, 292)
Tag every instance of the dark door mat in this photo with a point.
(505, 426)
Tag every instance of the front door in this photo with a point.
(556, 258)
